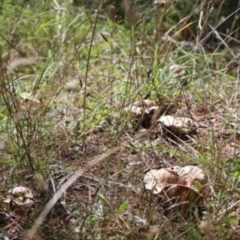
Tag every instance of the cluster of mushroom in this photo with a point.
(187, 185)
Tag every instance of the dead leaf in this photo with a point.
(230, 150)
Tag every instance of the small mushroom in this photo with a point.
(195, 178)
(178, 72)
(138, 111)
(182, 197)
(184, 185)
(28, 97)
(73, 86)
(178, 125)
(142, 112)
(140, 107)
(20, 197)
(155, 180)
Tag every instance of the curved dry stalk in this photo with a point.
(32, 232)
